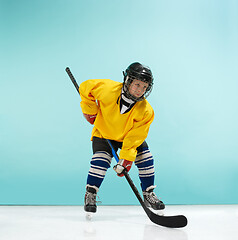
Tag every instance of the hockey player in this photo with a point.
(121, 113)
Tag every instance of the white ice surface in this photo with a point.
(207, 222)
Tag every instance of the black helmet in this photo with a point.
(141, 72)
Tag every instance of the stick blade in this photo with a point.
(178, 221)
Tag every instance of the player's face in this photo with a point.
(138, 88)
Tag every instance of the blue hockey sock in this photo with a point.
(100, 162)
(145, 163)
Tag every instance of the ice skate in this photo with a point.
(90, 206)
(152, 201)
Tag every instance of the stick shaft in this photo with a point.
(71, 76)
(128, 178)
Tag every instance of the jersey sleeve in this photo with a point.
(88, 92)
(136, 136)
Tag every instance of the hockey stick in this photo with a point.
(166, 221)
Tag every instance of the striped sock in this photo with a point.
(145, 163)
(100, 162)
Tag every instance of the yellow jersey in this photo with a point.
(101, 97)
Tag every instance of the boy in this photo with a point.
(121, 113)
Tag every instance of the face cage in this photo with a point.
(127, 82)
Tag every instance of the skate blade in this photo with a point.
(89, 216)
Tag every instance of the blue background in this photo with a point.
(191, 47)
